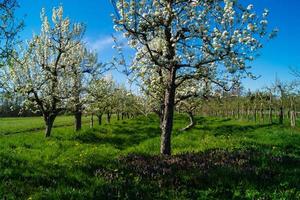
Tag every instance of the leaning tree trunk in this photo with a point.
(168, 114)
(49, 120)
(192, 122)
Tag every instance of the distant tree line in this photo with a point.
(274, 104)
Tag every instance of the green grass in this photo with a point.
(30, 124)
(218, 159)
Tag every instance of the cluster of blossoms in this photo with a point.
(219, 33)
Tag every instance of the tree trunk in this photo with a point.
(99, 119)
(293, 118)
(192, 122)
(262, 116)
(281, 115)
(118, 116)
(238, 111)
(108, 117)
(92, 121)
(168, 114)
(248, 114)
(78, 121)
(49, 120)
(271, 115)
(292, 114)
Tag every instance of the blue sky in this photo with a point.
(276, 57)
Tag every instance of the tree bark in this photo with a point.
(238, 111)
(271, 115)
(168, 114)
(78, 120)
(108, 117)
(92, 121)
(248, 113)
(293, 119)
(281, 115)
(292, 114)
(99, 119)
(262, 116)
(255, 114)
(49, 120)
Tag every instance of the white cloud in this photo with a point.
(103, 43)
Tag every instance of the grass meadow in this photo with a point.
(217, 159)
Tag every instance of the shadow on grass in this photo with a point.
(21, 178)
(37, 129)
(119, 136)
(253, 173)
(213, 174)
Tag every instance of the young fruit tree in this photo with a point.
(82, 71)
(208, 40)
(100, 98)
(190, 105)
(41, 73)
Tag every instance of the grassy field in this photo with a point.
(218, 159)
